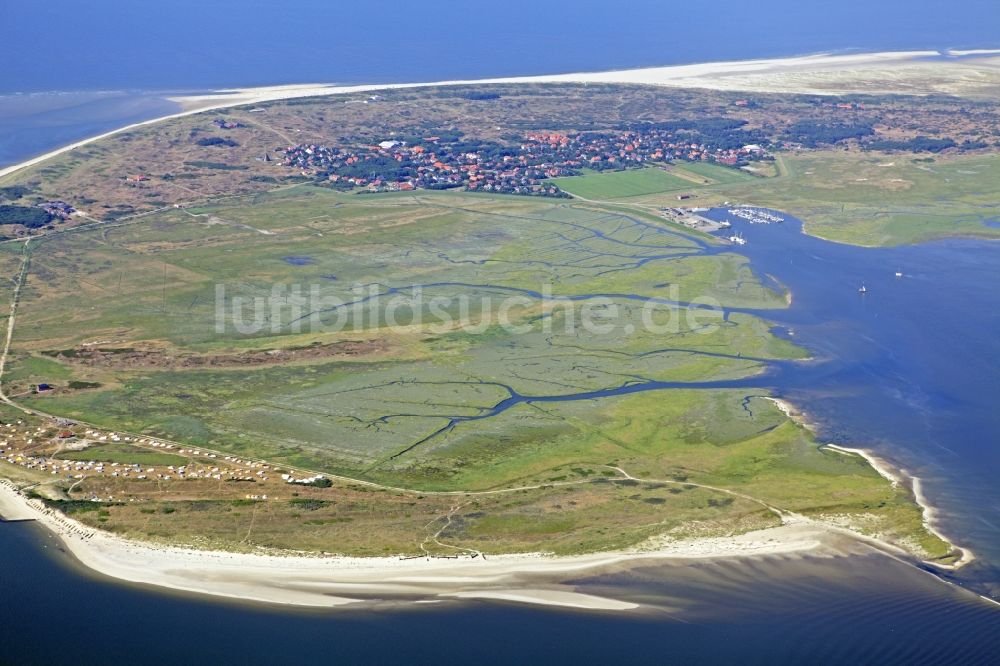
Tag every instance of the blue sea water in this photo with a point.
(137, 52)
(113, 44)
(909, 370)
(866, 610)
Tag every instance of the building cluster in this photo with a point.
(57, 209)
(38, 448)
(394, 166)
(302, 481)
(567, 154)
(485, 166)
(222, 123)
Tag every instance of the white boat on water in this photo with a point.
(738, 239)
(899, 273)
(755, 215)
(863, 289)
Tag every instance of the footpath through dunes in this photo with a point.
(657, 382)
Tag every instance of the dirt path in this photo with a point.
(11, 318)
(254, 121)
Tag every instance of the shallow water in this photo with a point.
(907, 370)
(34, 123)
(864, 609)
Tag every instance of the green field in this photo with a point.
(870, 198)
(606, 185)
(124, 453)
(715, 173)
(414, 405)
(613, 185)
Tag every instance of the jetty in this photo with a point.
(756, 215)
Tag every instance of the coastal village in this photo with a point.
(437, 162)
(506, 139)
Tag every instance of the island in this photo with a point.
(453, 332)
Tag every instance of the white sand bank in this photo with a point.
(336, 581)
(820, 74)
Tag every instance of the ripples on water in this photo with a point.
(837, 610)
(907, 370)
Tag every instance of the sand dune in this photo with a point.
(325, 581)
(891, 71)
(337, 581)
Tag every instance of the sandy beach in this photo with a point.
(899, 477)
(823, 74)
(334, 581)
(532, 578)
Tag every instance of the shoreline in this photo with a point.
(710, 75)
(899, 477)
(895, 475)
(339, 581)
(333, 581)
(323, 581)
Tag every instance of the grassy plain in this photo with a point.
(607, 185)
(144, 296)
(710, 463)
(615, 185)
(132, 310)
(124, 454)
(872, 199)
(706, 173)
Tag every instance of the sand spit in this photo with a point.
(894, 475)
(902, 478)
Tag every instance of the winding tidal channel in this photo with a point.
(907, 370)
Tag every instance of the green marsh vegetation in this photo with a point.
(870, 198)
(413, 406)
